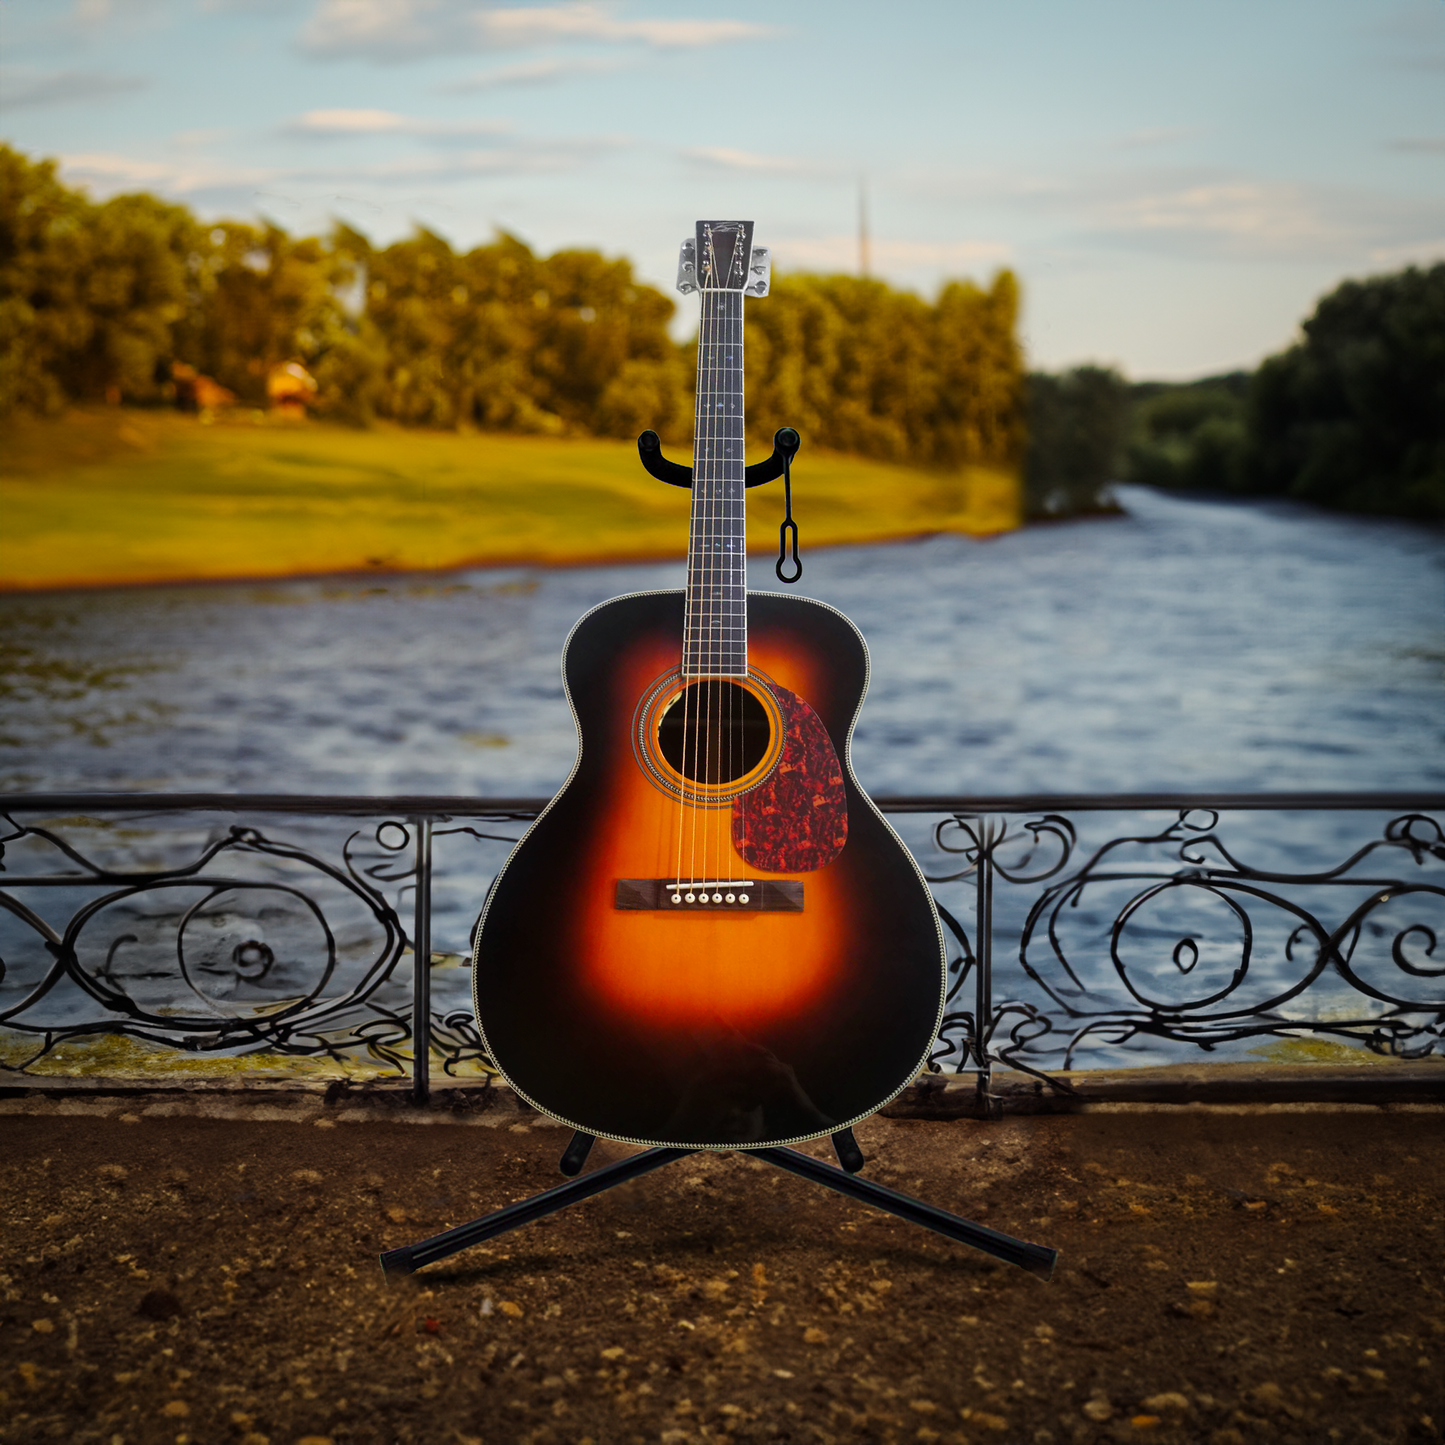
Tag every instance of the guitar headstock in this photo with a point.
(722, 257)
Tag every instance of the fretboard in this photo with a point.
(715, 641)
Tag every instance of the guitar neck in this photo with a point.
(715, 641)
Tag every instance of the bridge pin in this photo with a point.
(691, 898)
(717, 898)
(742, 897)
(677, 897)
(732, 898)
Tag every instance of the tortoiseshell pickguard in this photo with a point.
(796, 819)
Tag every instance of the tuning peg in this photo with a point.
(687, 267)
(760, 272)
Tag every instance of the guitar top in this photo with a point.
(711, 937)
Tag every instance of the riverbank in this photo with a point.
(1230, 1275)
(113, 497)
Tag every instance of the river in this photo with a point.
(1186, 645)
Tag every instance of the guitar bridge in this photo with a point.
(709, 895)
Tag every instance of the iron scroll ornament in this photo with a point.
(1362, 955)
(318, 1020)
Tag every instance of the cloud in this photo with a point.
(1188, 212)
(726, 158)
(28, 88)
(1158, 135)
(1414, 253)
(89, 13)
(532, 72)
(1247, 211)
(839, 252)
(408, 29)
(1238, 217)
(1429, 144)
(334, 123)
(110, 174)
(106, 173)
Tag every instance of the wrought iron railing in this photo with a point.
(137, 915)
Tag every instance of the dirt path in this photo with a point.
(1228, 1276)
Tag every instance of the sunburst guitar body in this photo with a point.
(711, 937)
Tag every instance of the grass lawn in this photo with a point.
(108, 496)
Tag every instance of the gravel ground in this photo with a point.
(1229, 1275)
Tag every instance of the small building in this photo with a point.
(290, 388)
(194, 391)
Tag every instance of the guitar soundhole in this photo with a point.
(714, 732)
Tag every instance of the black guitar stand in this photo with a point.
(1038, 1259)
(786, 442)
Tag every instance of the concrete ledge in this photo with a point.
(937, 1097)
(1379, 1081)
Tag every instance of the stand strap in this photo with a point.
(788, 532)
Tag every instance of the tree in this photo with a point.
(1189, 435)
(1077, 423)
(1353, 416)
(41, 318)
(863, 368)
(262, 298)
(501, 338)
(88, 294)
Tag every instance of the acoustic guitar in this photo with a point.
(711, 938)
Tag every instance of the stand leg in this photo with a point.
(412, 1257)
(574, 1156)
(1038, 1259)
(845, 1146)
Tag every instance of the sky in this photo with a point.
(1175, 185)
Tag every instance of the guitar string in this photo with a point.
(707, 382)
(730, 510)
(717, 434)
(737, 571)
(690, 623)
(710, 653)
(688, 619)
(717, 587)
(697, 568)
(718, 590)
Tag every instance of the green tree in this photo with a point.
(499, 337)
(1354, 415)
(41, 316)
(1077, 423)
(861, 367)
(1189, 435)
(262, 298)
(88, 293)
